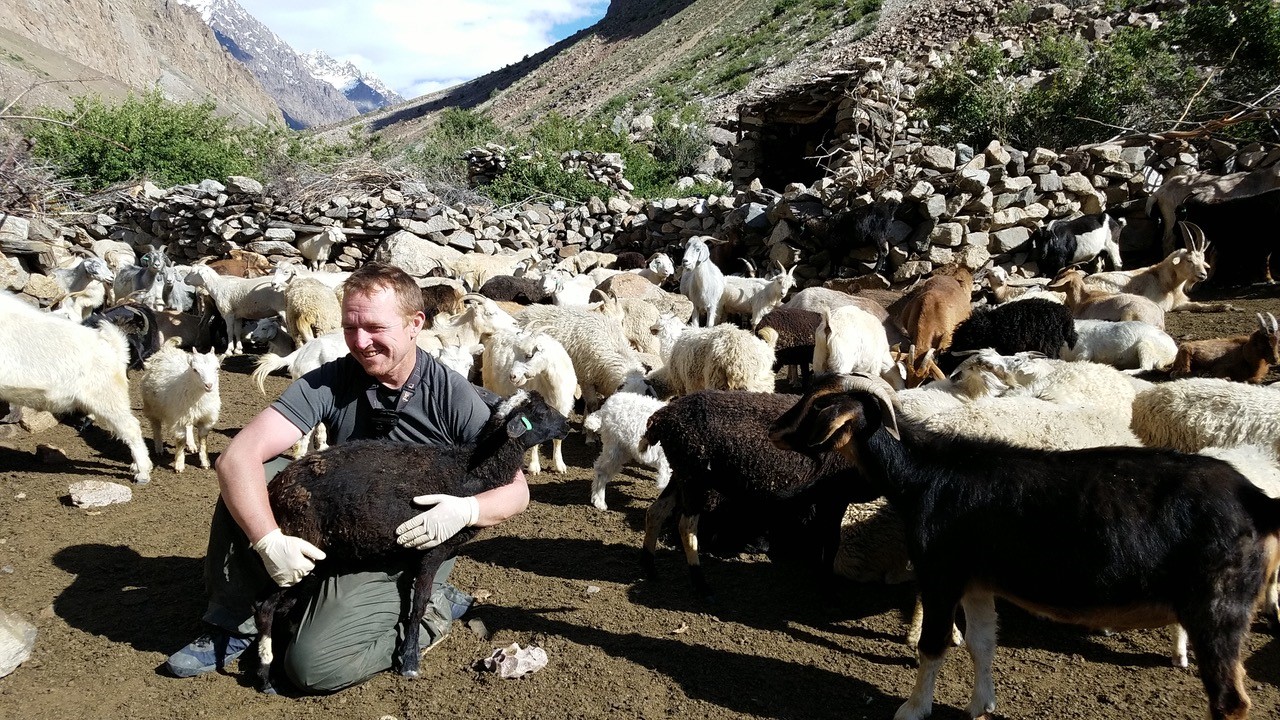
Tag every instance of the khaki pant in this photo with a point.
(350, 626)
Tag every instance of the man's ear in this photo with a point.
(419, 320)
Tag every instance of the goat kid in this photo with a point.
(1106, 537)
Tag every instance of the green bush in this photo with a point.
(542, 176)
(147, 136)
(440, 157)
(1018, 13)
(968, 99)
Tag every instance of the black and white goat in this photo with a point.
(1105, 537)
(1063, 243)
(349, 500)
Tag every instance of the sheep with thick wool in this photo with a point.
(180, 397)
(848, 340)
(311, 309)
(535, 362)
(52, 363)
(721, 357)
(621, 422)
(1196, 413)
(603, 360)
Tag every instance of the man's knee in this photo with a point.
(313, 670)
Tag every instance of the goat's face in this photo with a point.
(98, 269)
(828, 418)
(282, 275)
(533, 355)
(530, 419)
(1267, 339)
(660, 264)
(553, 281)
(205, 367)
(1190, 265)
(696, 252)
(262, 331)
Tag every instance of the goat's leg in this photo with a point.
(654, 519)
(264, 617)
(535, 461)
(1180, 647)
(606, 467)
(157, 438)
(190, 438)
(411, 651)
(203, 445)
(664, 472)
(557, 456)
(689, 539)
(1217, 635)
(180, 450)
(938, 620)
(980, 639)
(114, 414)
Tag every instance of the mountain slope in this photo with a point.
(116, 46)
(366, 90)
(305, 100)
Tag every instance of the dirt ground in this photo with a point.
(113, 591)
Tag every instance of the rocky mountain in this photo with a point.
(366, 90)
(305, 100)
(54, 50)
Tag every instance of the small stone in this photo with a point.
(243, 185)
(936, 157)
(98, 493)
(50, 454)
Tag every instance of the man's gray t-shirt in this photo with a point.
(445, 409)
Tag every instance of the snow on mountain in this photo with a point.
(366, 90)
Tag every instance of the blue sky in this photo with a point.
(418, 47)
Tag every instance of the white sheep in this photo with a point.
(1129, 345)
(566, 288)
(311, 309)
(1196, 413)
(237, 300)
(722, 357)
(285, 273)
(621, 422)
(532, 361)
(659, 269)
(756, 296)
(603, 360)
(474, 269)
(637, 318)
(180, 397)
(702, 282)
(319, 351)
(52, 363)
(851, 340)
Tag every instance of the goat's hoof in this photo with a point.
(142, 480)
(411, 674)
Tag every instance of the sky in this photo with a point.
(419, 46)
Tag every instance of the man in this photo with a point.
(349, 628)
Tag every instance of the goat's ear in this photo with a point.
(517, 426)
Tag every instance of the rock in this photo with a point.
(281, 234)
(98, 493)
(36, 421)
(13, 230)
(462, 240)
(1013, 184)
(1077, 183)
(211, 188)
(243, 185)
(1003, 241)
(912, 269)
(996, 154)
(1051, 11)
(51, 454)
(1107, 153)
(1099, 29)
(973, 255)
(974, 181)
(42, 287)
(941, 256)
(1049, 182)
(17, 640)
(438, 223)
(947, 235)
(12, 276)
(936, 157)
(415, 255)
(935, 206)
(618, 206)
(273, 247)
(1042, 156)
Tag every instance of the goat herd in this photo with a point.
(1032, 444)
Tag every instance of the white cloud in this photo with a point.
(417, 47)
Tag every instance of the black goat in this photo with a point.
(630, 260)
(138, 323)
(1106, 537)
(523, 290)
(349, 499)
(723, 463)
(1063, 243)
(791, 332)
(1034, 325)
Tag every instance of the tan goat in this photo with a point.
(1092, 304)
(1165, 283)
(1244, 358)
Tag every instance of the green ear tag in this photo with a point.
(527, 425)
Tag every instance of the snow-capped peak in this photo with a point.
(342, 75)
(204, 7)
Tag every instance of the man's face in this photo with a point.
(379, 336)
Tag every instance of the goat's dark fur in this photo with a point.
(1105, 537)
(630, 260)
(1035, 325)
(722, 463)
(796, 331)
(349, 499)
(138, 323)
(523, 290)
(1063, 243)
(437, 299)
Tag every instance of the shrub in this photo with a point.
(543, 176)
(147, 136)
(440, 157)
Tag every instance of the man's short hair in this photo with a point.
(372, 277)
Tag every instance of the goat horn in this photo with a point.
(882, 392)
(470, 297)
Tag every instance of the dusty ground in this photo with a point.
(114, 591)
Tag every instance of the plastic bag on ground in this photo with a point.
(17, 638)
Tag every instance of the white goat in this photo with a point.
(52, 363)
(702, 282)
(1166, 282)
(286, 272)
(319, 351)
(481, 318)
(851, 340)
(621, 422)
(756, 296)
(180, 398)
(317, 248)
(532, 361)
(659, 269)
(567, 289)
(143, 277)
(1130, 345)
(237, 300)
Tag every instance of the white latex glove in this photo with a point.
(288, 559)
(429, 529)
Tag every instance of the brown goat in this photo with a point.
(1094, 304)
(1244, 358)
(931, 310)
(442, 299)
(242, 263)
